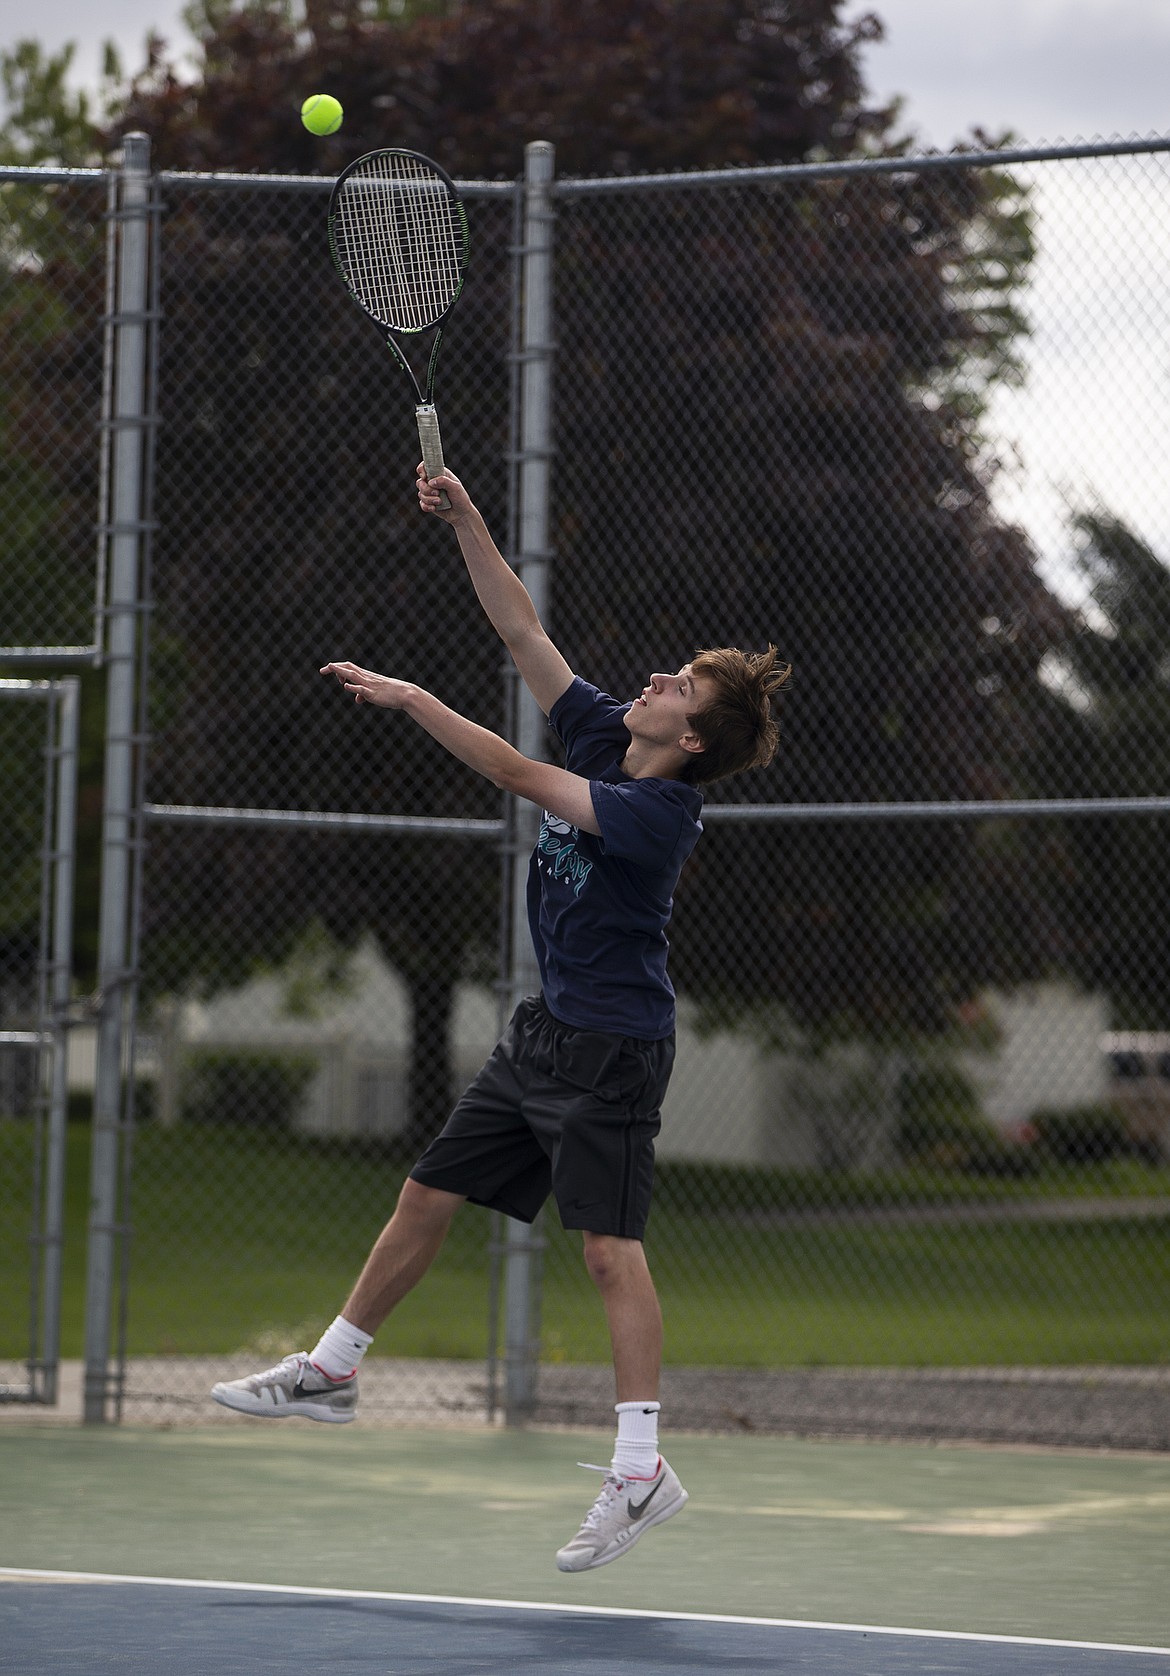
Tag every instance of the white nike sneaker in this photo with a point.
(625, 1508)
(294, 1386)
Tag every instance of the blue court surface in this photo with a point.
(137, 1626)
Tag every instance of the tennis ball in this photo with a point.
(321, 113)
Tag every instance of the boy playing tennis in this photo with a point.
(569, 1100)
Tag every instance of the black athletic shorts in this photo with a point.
(571, 1112)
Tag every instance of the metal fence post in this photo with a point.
(522, 1246)
(48, 1041)
(121, 639)
(68, 725)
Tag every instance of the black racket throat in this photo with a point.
(424, 392)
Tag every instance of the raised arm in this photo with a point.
(542, 783)
(503, 596)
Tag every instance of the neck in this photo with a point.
(653, 762)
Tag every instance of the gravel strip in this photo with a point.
(1088, 1408)
(1085, 1408)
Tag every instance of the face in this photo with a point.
(659, 713)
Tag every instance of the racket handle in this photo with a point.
(432, 447)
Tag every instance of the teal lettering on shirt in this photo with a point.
(558, 841)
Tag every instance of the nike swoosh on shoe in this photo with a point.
(638, 1508)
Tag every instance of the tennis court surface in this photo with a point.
(403, 1551)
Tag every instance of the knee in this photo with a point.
(610, 1260)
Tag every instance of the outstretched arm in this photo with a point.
(555, 789)
(501, 593)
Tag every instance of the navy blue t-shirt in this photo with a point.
(598, 907)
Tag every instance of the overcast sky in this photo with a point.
(1049, 69)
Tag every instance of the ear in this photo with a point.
(691, 743)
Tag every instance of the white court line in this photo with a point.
(15, 1573)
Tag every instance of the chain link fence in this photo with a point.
(900, 421)
(308, 980)
(54, 310)
(38, 751)
(22, 747)
(899, 1131)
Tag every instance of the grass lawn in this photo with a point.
(247, 1240)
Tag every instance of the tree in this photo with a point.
(616, 85)
(51, 301)
(47, 120)
(825, 490)
(847, 328)
(1106, 735)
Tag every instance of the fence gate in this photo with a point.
(38, 763)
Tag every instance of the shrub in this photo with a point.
(79, 1106)
(245, 1089)
(940, 1120)
(996, 1154)
(79, 1103)
(1082, 1134)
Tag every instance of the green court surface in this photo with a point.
(1057, 1545)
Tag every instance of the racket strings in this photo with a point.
(401, 240)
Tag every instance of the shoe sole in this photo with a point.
(659, 1518)
(243, 1403)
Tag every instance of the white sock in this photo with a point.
(340, 1349)
(635, 1454)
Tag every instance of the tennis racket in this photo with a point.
(398, 237)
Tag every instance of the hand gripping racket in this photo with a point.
(398, 237)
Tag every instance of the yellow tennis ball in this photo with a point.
(321, 113)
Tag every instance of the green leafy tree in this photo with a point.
(814, 389)
(52, 296)
(849, 329)
(1106, 733)
(48, 120)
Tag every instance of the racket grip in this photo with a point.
(432, 447)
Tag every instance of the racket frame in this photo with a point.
(426, 417)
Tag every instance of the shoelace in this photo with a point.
(612, 1487)
(295, 1360)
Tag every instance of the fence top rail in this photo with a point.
(63, 656)
(314, 183)
(1005, 808)
(49, 175)
(914, 163)
(328, 820)
(176, 814)
(581, 186)
(15, 688)
(42, 174)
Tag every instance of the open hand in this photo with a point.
(369, 688)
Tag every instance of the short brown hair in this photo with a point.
(737, 726)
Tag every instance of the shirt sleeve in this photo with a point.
(641, 822)
(590, 726)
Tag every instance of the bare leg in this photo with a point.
(619, 1271)
(402, 1253)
